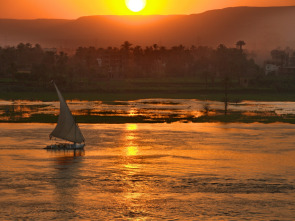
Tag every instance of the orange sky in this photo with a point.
(71, 9)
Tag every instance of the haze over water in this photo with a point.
(193, 171)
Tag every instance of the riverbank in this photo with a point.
(90, 119)
(234, 96)
(143, 88)
(149, 111)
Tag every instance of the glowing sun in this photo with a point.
(135, 5)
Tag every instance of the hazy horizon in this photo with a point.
(143, 15)
(263, 29)
(33, 9)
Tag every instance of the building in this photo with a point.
(271, 69)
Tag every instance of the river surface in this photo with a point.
(151, 109)
(179, 171)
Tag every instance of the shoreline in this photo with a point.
(136, 95)
(231, 117)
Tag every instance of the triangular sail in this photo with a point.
(66, 127)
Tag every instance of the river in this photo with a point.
(178, 171)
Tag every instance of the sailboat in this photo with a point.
(66, 128)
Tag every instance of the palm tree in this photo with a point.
(137, 51)
(126, 46)
(240, 44)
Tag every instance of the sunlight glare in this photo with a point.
(132, 151)
(135, 5)
(131, 127)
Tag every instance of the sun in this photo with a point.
(135, 5)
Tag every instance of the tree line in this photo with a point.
(27, 62)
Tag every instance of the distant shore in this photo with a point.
(133, 108)
(234, 96)
(231, 117)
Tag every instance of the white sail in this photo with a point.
(66, 127)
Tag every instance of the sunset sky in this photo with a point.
(71, 9)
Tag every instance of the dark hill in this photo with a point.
(261, 28)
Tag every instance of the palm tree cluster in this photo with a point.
(27, 62)
(159, 61)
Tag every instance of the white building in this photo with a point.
(271, 68)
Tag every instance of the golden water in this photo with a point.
(150, 108)
(174, 171)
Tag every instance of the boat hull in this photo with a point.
(65, 146)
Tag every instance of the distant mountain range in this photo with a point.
(261, 28)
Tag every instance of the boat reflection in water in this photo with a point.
(66, 165)
(66, 155)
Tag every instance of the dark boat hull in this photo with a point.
(64, 146)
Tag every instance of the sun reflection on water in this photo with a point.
(133, 112)
(131, 127)
(131, 147)
(132, 150)
(134, 186)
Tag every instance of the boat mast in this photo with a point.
(75, 130)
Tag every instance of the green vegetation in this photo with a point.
(133, 89)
